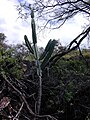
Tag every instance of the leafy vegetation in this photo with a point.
(66, 86)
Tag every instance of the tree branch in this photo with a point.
(56, 57)
(25, 101)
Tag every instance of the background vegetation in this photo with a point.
(66, 85)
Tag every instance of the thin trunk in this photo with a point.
(39, 95)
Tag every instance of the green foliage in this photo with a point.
(9, 64)
(75, 65)
(66, 78)
(69, 91)
(2, 37)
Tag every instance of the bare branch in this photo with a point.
(18, 112)
(56, 12)
(56, 57)
(25, 101)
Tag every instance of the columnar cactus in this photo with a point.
(41, 61)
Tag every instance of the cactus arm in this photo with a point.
(47, 48)
(28, 44)
(48, 55)
(48, 45)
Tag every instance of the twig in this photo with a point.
(56, 57)
(82, 54)
(25, 101)
(26, 117)
(18, 112)
(4, 76)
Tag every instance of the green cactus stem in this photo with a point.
(47, 48)
(45, 57)
(28, 44)
(34, 37)
(39, 71)
(48, 55)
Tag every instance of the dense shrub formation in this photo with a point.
(66, 87)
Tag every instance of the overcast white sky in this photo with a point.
(15, 28)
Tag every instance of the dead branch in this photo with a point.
(56, 57)
(25, 101)
(18, 112)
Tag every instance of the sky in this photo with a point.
(15, 28)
